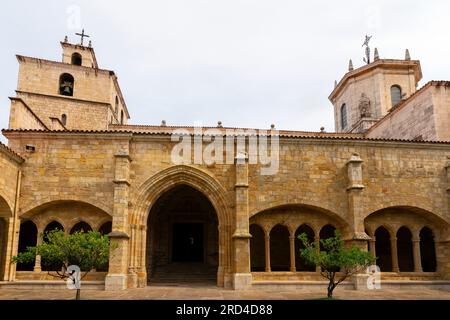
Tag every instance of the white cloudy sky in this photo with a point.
(247, 63)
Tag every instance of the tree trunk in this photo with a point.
(330, 289)
(78, 297)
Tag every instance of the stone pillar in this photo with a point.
(416, 255)
(37, 261)
(267, 248)
(117, 278)
(355, 201)
(12, 244)
(132, 257)
(355, 214)
(242, 278)
(394, 254)
(443, 245)
(318, 269)
(372, 246)
(292, 251)
(142, 273)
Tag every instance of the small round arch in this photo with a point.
(76, 59)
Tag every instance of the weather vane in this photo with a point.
(366, 43)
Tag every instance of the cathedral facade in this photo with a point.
(74, 163)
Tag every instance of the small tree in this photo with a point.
(336, 262)
(88, 251)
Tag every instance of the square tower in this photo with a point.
(74, 94)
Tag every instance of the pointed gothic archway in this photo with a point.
(201, 181)
(182, 239)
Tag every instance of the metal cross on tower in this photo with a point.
(366, 43)
(82, 35)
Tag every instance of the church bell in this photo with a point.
(66, 88)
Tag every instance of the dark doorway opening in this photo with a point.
(187, 242)
(182, 238)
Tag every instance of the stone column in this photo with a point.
(12, 244)
(242, 278)
(355, 215)
(394, 254)
(117, 278)
(292, 251)
(267, 248)
(318, 269)
(355, 202)
(372, 246)
(132, 257)
(37, 261)
(416, 255)
(142, 273)
(443, 244)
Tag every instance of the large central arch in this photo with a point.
(200, 180)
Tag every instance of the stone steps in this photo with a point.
(184, 273)
(48, 284)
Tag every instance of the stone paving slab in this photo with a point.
(215, 293)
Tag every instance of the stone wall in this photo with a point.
(312, 182)
(413, 120)
(81, 115)
(426, 116)
(70, 167)
(10, 165)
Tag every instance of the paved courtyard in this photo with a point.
(201, 292)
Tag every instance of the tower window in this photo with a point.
(121, 116)
(117, 106)
(64, 119)
(396, 95)
(66, 83)
(77, 59)
(344, 116)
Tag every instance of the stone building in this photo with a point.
(74, 163)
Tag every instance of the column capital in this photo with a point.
(124, 155)
(118, 235)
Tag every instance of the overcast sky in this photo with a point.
(248, 63)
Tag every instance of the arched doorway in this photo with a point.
(81, 227)
(27, 238)
(54, 225)
(427, 250)
(279, 248)
(105, 228)
(300, 263)
(405, 250)
(182, 237)
(257, 249)
(383, 249)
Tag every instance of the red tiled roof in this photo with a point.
(11, 152)
(282, 134)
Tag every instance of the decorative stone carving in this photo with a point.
(364, 106)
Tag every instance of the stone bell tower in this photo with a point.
(366, 94)
(74, 94)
